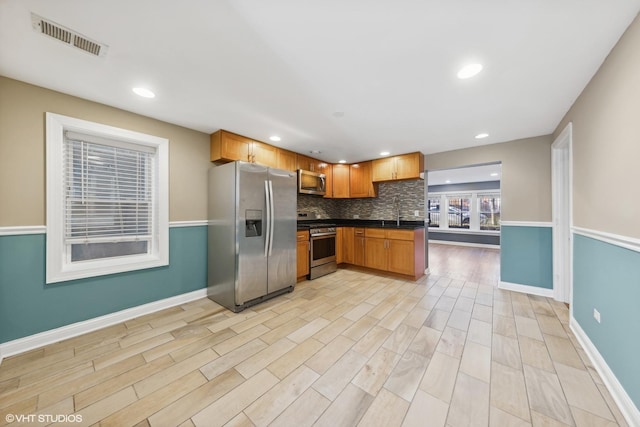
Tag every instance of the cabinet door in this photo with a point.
(375, 253)
(340, 181)
(383, 169)
(401, 256)
(359, 250)
(360, 180)
(302, 258)
(304, 162)
(347, 245)
(229, 147)
(409, 166)
(265, 154)
(287, 160)
(302, 253)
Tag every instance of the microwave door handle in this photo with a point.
(268, 224)
(273, 217)
(323, 184)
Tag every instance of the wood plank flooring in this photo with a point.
(347, 349)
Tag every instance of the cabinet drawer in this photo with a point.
(359, 232)
(374, 232)
(302, 236)
(399, 234)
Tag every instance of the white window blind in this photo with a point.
(109, 197)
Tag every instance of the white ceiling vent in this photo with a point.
(65, 35)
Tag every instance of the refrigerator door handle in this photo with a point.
(267, 236)
(272, 215)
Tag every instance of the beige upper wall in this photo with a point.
(22, 152)
(606, 142)
(526, 174)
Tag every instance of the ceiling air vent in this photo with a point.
(65, 35)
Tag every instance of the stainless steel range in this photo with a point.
(323, 250)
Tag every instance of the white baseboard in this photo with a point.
(526, 289)
(21, 345)
(620, 396)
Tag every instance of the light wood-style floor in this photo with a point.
(347, 349)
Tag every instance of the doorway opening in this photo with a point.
(562, 212)
(462, 217)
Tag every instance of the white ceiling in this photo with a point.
(285, 67)
(492, 172)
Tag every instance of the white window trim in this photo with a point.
(474, 226)
(58, 269)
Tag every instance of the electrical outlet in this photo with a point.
(596, 315)
(416, 213)
(356, 216)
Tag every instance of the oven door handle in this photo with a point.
(322, 234)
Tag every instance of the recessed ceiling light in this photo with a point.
(481, 135)
(448, 181)
(143, 92)
(342, 161)
(469, 71)
(494, 174)
(384, 153)
(315, 151)
(274, 138)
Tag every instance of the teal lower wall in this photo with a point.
(526, 256)
(29, 306)
(607, 277)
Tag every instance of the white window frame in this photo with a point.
(59, 268)
(474, 218)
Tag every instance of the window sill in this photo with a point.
(464, 231)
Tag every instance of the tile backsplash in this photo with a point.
(409, 195)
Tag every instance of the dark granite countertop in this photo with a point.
(366, 223)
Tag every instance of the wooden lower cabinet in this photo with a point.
(396, 251)
(376, 253)
(400, 256)
(302, 254)
(358, 247)
(347, 245)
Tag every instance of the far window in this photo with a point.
(433, 216)
(107, 199)
(489, 208)
(465, 211)
(458, 213)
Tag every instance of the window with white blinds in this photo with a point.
(109, 198)
(109, 213)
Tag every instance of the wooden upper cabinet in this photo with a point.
(406, 166)
(361, 183)
(340, 181)
(264, 154)
(383, 169)
(409, 166)
(311, 164)
(287, 160)
(229, 147)
(304, 162)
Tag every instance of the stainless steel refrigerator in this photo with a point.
(251, 234)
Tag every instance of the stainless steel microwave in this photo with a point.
(311, 182)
